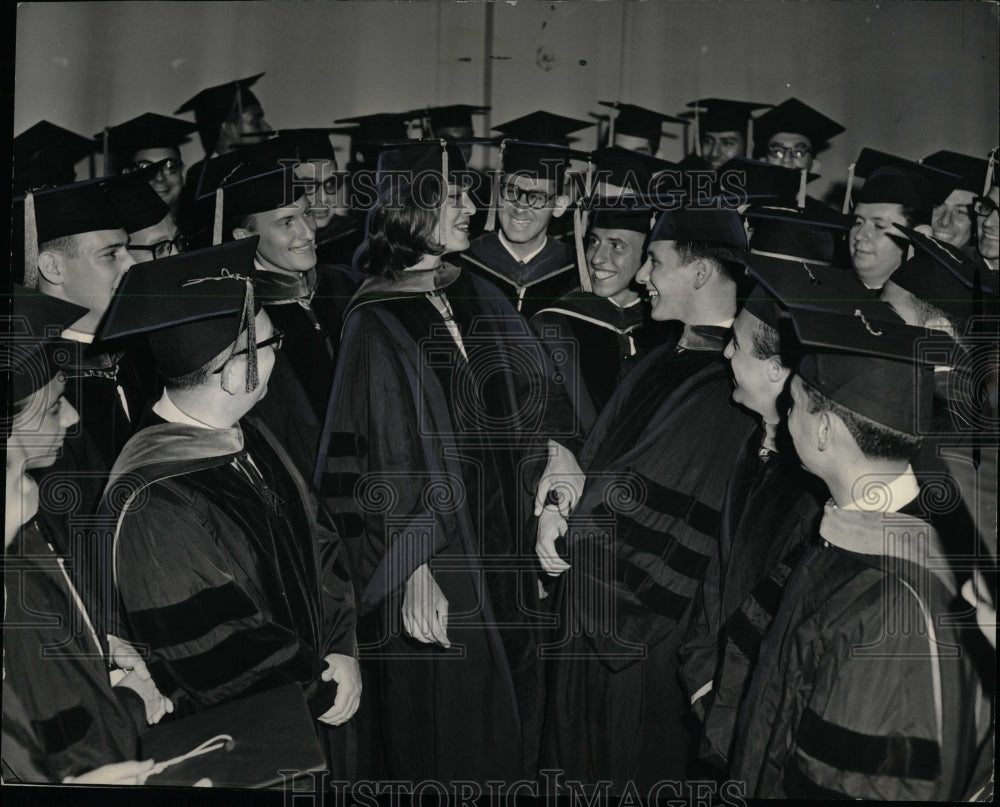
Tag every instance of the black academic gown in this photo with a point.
(639, 542)
(61, 716)
(432, 458)
(337, 241)
(528, 286)
(222, 571)
(594, 344)
(848, 697)
(772, 506)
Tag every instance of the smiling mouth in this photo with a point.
(301, 250)
(604, 274)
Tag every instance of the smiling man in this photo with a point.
(792, 134)
(988, 224)
(952, 219)
(723, 128)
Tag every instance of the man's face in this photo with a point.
(613, 259)
(720, 147)
(327, 191)
(668, 279)
(758, 383)
(38, 430)
(874, 254)
(796, 150)
(951, 222)
(252, 122)
(802, 426)
(287, 237)
(90, 278)
(453, 224)
(169, 180)
(521, 223)
(902, 302)
(160, 238)
(634, 143)
(989, 229)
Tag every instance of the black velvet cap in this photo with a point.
(214, 105)
(971, 171)
(628, 169)
(896, 180)
(808, 234)
(638, 121)
(191, 305)
(711, 225)
(620, 213)
(258, 187)
(542, 127)
(723, 115)
(544, 160)
(871, 367)
(379, 127)
(795, 117)
(32, 343)
(452, 116)
(756, 180)
(147, 131)
(45, 154)
(80, 207)
(138, 205)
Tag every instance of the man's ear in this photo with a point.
(560, 205)
(50, 267)
(241, 232)
(234, 375)
(824, 430)
(702, 272)
(777, 373)
(817, 166)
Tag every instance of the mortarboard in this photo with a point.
(137, 204)
(147, 131)
(722, 115)
(756, 180)
(638, 121)
(45, 154)
(380, 126)
(795, 117)
(940, 274)
(542, 127)
(872, 368)
(452, 116)
(627, 169)
(616, 212)
(896, 180)
(193, 306)
(971, 171)
(711, 225)
(254, 186)
(800, 235)
(33, 336)
(212, 106)
(301, 145)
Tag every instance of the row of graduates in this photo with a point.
(401, 422)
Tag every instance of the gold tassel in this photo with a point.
(217, 223)
(800, 200)
(581, 254)
(30, 243)
(444, 190)
(491, 216)
(847, 191)
(253, 378)
(990, 168)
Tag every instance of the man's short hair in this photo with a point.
(196, 378)
(247, 222)
(876, 442)
(725, 258)
(68, 246)
(766, 342)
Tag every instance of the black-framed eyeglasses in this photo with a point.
(170, 167)
(533, 199)
(984, 206)
(162, 249)
(274, 340)
(779, 152)
(331, 186)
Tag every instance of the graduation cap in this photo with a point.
(193, 306)
(940, 274)
(137, 204)
(452, 116)
(379, 127)
(613, 212)
(896, 180)
(795, 117)
(971, 171)
(627, 169)
(45, 154)
(253, 187)
(807, 235)
(299, 144)
(756, 180)
(542, 127)
(723, 115)
(34, 334)
(710, 225)
(637, 121)
(215, 105)
(872, 368)
(147, 131)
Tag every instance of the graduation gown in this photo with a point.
(639, 542)
(61, 716)
(862, 688)
(336, 242)
(771, 507)
(220, 567)
(528, 286)
(606, 342)
(432, 458)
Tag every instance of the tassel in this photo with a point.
(217, 223)
(847, 191)
(990, 168)
(697, 131)
(106, 147)
(30, 243)
(248, 316)
(800, 200)
(444, 190)
(611, 124)
(579, 225)
(749, 136)
(491, 216)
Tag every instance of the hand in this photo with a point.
(131, 772)
(425, 608)
(551, 525)
(346, 672)
(562, 481)
(156, 704)
(125, 657)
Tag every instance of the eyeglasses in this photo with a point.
(779, 152)
(274, 340)
(533, 199)
(984, 206)
(162, 249)
(330, 186)
(170, 168)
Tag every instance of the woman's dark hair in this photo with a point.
(402, 226)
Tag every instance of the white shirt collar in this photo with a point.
(726, 323)
(894, 497)
(168, 410)
(510, 248)
(78, 336)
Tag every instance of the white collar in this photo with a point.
(78, 336)
(726, 323)
(510, 248)
(168, 410)
(893, 497)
